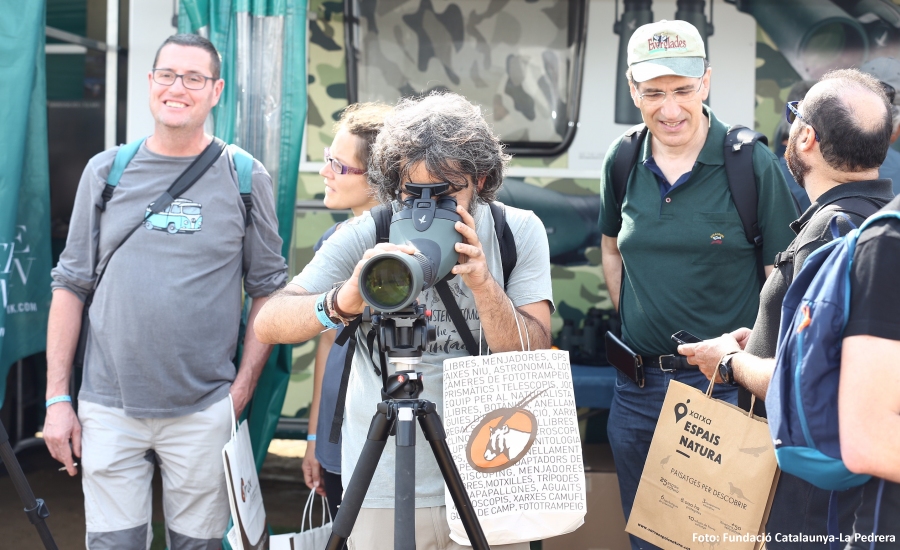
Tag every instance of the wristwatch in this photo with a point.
(726, 371)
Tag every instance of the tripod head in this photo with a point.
(402, 336)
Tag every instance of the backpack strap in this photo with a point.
(124, 155)
(626, 157)
(508, 254)
(739, 144)
(243, 165)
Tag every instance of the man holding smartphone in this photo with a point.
(840, 134)
(675, 256)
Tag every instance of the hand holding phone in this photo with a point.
(684, 337)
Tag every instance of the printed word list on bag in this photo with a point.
(513, 431)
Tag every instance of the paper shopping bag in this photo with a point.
(244, 496)
(709, 478)
(513, 431)
(314, 538)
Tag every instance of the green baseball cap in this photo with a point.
(666, 48)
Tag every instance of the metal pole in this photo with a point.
(112, 73)
(35, 509)
(20, 405)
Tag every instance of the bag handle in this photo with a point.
(308, 511)
(231, 414)
(712, 383)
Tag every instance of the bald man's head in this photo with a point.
(851, 114)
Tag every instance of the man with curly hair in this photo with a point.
(433, 139)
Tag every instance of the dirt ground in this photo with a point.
(281, 480)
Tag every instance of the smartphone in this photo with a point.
(685, 337)
(626, 361)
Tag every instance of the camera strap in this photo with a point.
(182, 183)
(443, 290)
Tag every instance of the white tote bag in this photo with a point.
(513, 431)
(244, 496)
(314, 538)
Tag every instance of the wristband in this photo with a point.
(322, 315)
(334, 312)
(311, 437)
(58, 399)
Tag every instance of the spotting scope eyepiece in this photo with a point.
(392, 281)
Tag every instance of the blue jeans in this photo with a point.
(632, 420)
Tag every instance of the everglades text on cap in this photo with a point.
(666, 48)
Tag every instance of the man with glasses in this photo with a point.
(675, 256)
(164, 319)
(839, 136)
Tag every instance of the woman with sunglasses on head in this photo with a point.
(346, 188)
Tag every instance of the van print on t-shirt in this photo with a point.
(182, 216)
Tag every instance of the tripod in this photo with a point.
(35, 509)
(404, 339)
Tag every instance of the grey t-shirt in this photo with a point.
(165, 317)
(529, 283)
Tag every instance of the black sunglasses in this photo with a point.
(791, 114)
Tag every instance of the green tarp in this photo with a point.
(24, 185)
(263, 110)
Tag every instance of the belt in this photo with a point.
(667, 363)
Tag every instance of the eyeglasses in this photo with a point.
(191, 81)
(680, 96)
(791, 114)
(338, 167)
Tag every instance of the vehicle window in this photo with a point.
(176, 209)
(521, 61)
(191, 210)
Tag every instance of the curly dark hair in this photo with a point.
(446, 132)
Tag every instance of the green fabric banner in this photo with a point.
(224, 23)
(24, 185)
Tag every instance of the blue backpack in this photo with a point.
(802, 400)
(243, 164)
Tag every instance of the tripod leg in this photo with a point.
(362, 477)
(405, 480)
(434, 432)
(35, 509)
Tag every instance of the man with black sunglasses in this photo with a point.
(165, 274)
(839, 136)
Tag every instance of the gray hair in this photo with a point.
(446, 132)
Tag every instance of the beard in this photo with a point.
(473, 201)
(795, 164)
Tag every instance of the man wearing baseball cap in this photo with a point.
(675, 256)
(887, 71)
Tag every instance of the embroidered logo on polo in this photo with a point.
(716, 238)
(182, 216)
(665, 43)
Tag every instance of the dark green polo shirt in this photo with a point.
(688, 265)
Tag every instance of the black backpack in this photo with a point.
(739, 143)
(382, 216)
